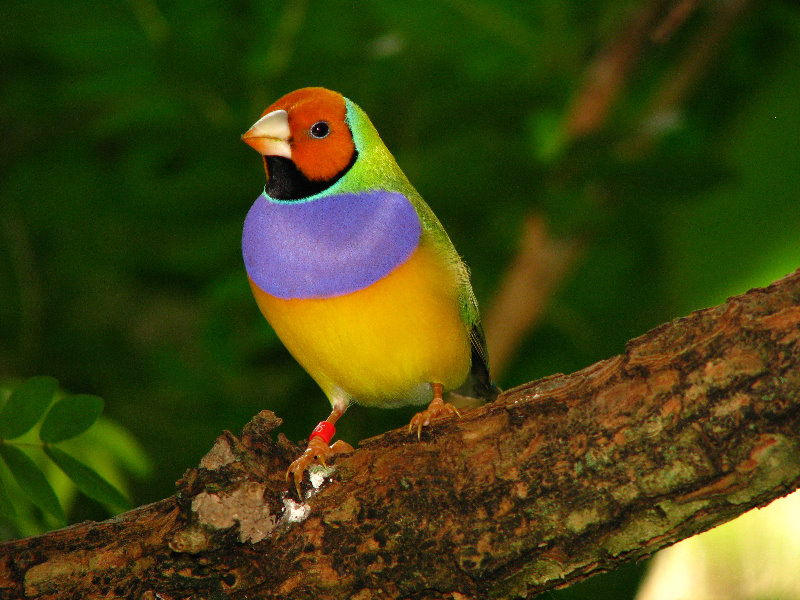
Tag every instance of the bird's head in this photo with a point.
(306, 142)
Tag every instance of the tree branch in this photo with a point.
(695, 423)
(525, 289)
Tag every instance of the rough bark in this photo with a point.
(695, 423)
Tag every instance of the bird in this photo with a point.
(354, 271)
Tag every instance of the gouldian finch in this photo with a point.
(353, 270)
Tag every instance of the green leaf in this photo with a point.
(70, 417)
(87, 480)
(6, 506)
(26, 406)
(32, 480)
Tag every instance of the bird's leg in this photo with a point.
(318, 449)
(437, 408)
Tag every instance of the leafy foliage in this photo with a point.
(32, 481)
(70, 417)
(26, 406)
(89, 482)
(66, 419)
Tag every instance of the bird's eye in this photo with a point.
(320, 129)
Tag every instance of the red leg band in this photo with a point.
(324, 430)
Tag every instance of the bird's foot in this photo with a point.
(318, 451)
(437, 408)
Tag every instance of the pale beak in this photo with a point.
(270, 134)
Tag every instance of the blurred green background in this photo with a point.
(124, 184)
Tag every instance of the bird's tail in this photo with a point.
(478, 387)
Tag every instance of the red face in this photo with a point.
(320, 140)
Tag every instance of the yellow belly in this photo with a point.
(383, 345)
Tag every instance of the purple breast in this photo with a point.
(329, 246)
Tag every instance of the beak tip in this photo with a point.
(270, 134)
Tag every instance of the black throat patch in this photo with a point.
(286, 182)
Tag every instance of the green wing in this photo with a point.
(377, 169)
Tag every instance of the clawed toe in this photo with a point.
(438, 408)
(317, 452)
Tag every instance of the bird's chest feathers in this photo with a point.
(328, 246)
